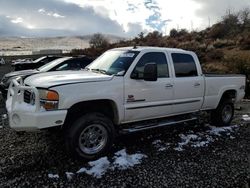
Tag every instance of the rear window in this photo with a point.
(184, 65)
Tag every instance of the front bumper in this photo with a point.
(27, 117)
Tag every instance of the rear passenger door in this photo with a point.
(188, 84)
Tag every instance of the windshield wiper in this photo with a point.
(99, 71)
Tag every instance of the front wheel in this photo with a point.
(223, 114)
(90, 136)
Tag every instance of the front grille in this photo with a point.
(26, 96)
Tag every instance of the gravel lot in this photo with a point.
(223, 160)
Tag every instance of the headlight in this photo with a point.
(49, 99)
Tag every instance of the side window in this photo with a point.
(84, 63)
(75, 65)
(184, 65)
(153, 57)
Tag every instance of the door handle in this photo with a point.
(169, 85)
(197, 84)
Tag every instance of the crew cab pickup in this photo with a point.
(124, 90)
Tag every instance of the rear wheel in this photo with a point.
(90, 136)
(223, 114)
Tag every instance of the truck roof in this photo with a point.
(142, 48)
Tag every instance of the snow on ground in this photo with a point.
(69, 175)
(218, 130)
(161, 146)
(124, 160)
(121, 161)
(185, 140)
(53, 176)
(245, 118)
(199, 139)
(202, 139)
(98, 167)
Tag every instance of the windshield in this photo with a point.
(113, 62)
(39, 59)
(47, 67)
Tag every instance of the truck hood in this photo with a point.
(50, 79)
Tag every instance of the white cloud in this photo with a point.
(119, 17)
(50, 13)
(57, 15)
(29, 26)
(41, 10)
(17, 20)
(167, 14)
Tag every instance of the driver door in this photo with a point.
(149, 99)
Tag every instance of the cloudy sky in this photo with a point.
(118, 17)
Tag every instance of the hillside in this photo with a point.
(222, 48)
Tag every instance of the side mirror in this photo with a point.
(150, 72)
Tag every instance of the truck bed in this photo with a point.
(217, 84)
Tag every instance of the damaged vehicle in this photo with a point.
(65, 63)
(30, 64)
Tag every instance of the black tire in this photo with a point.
(79, 134)
(223, 114)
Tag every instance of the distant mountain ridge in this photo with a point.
(39, 43)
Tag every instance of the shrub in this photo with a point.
(214, 67)
(214, 55)
(98, 41)
(173, 33)
(217, 31)
(244, 43)
(223, 43)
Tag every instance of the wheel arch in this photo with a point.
(105, 106)
(228, 94)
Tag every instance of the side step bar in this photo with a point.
(155, 125)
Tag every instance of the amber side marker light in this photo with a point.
(51, 101)
(52, 95)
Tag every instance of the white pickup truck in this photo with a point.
(124, 90)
